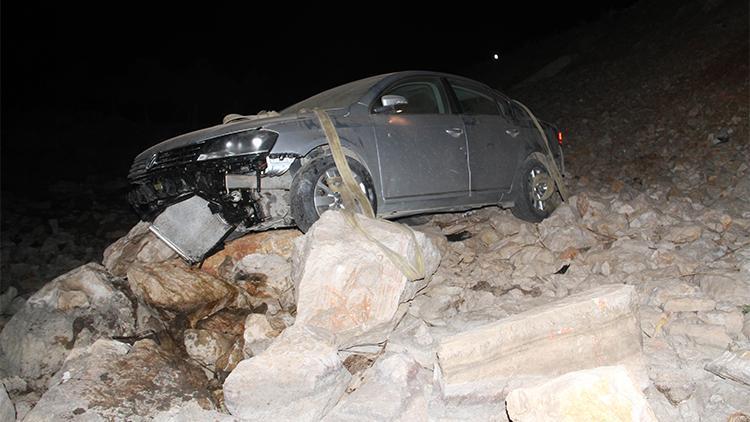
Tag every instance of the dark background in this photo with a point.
(87, 87)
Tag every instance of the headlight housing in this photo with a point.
(241, 143)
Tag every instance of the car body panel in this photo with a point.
(415, 164)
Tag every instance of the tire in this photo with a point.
(528, 205)
(306, 189)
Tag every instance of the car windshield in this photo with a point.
(339, 97)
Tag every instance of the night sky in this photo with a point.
(85, 88)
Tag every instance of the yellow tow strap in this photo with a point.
(552, 165)
(355, 200)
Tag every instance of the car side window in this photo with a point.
(473, 102)
(423, 97)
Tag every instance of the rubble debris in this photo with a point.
(345, 285)
(598, 394)
(299, 377)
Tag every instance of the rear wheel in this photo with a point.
(311, 195)
(536, 194)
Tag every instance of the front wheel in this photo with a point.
(311, 195)
(536, 194)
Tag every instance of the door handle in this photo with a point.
(455, 132)
(512, 132)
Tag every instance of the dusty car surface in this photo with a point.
(416, 141)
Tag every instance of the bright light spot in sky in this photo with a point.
(496, 56)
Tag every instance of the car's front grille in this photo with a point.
(164, 160)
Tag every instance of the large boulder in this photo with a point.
(72, 310)
(595, 328)
(300, 377)
(600, 394)
(139, 245)
(110, 380)
(395, 388)
(347, 285)
(175, 287)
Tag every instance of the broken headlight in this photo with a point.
(242, 143)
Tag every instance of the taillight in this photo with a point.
(559, 138)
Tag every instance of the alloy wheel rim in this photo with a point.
(541, 189)
(326, 198)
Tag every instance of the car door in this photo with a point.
(492, 138)
(422, 148)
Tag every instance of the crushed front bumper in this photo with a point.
(194, 205)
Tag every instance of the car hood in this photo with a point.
(203, 135)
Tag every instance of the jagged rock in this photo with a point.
(267, 278)
(534, 261)
(7, 410)
(175, 287)
(258, 334)
(437, 305)
(704, 334)
(299, 377)
(273, 242)
(228, 361)
(395, 388)
(139, 245)
(72, 310)
(206, 347)
(732, 365)
(412, 336)
(347, 286)
(731, 321)
(726, 287)
(597, 327)
(604, 393)
(674, 384)
(562, 230)
(113, 381)
(505, 224)
(682, 233)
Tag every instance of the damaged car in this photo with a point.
(417, 142)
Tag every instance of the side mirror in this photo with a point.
(391, 104)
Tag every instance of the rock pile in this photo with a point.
(627, 299)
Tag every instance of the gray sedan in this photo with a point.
(417, 142)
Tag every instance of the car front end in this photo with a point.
(230, 169)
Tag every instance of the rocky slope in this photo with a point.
(634, 294)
